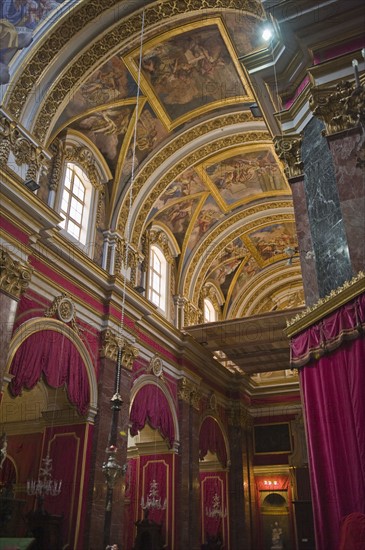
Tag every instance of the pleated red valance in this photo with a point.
(211, 439)
(54, 356)
(346, 323)
(150, 405)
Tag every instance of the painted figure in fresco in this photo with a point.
(18, 18)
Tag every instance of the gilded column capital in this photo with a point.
(189, 392)
(340, 107)
(111, 342)
(239, 417)
(14, 275)
(289, 150)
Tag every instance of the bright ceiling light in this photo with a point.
(267, 33)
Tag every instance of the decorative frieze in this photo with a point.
(340, 108)
(112, 342)
(14, 275)
(289, 150)
(189, 392)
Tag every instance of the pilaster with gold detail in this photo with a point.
(240, 476)
(188, 488)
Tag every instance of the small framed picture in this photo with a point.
(272, 438)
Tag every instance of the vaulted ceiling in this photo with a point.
(182, 151)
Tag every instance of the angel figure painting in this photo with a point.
(245, 175)
(106, 129)
(273, 240)
(190, 70)
(177, 218)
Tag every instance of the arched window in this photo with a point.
(157, 286)
(76, 202)
(210, 314)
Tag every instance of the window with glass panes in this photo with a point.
(73, 201)
(157, 278)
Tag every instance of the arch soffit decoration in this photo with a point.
(147, 380)
(43, 323)
(209, 414)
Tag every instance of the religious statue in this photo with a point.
(277, 537)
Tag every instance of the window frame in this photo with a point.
(158, 293)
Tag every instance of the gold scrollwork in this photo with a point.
(64, 307)
(338, 107)
(112, 342)
(14, 275)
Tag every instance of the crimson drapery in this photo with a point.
(333, 389)
(54, 356)
(347, 323)
(150, 405)
(211, 439)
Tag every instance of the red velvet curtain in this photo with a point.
(211, 439)
(150, 405)
(333, 389)
(54, 356)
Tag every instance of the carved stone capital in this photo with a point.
(340, 108)
(239, 418)
(13, 139)
(111, 344)
(14, 275)
(189, 392)
(289, 151)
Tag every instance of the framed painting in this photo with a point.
(272, 438)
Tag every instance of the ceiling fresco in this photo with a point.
(184, 152)
(190, 75)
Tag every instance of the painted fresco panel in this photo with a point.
(188, 183)
(177, 218)
(106, 129)
(245, 175)
(18, 21)
(273, 240)
(208, 216)
(190, 70)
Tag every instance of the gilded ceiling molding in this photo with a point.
(64, 308)
(15, 276)
(14, 140)
(339, 108)
(175, 145)
(335, 299)
(111, 342)
(289, 150)
(261, 285)
(207, 243)
(79, 18)
(190, 160)
(189, 392)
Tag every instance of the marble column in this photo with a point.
(14, 280)
(97, 510)
(187, 507)
(289, 151)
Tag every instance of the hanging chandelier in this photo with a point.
(45, 485)
(216, 510)
(153, 500)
